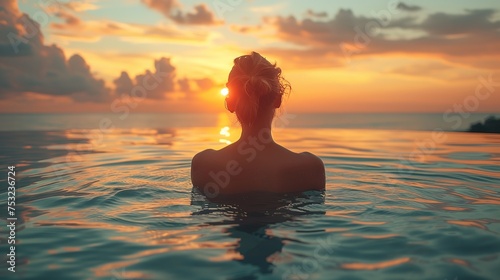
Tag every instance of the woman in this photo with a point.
(255, 163)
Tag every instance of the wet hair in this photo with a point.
(254, 84)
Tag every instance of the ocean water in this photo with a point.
(403, 201)
(391, 121)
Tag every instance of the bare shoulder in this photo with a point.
(316, 168)
(312, 160)
(199, 160)
(203, 155)
(199, 165)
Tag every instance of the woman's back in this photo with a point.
(238, 168)
(255, 162)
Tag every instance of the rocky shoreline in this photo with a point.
(490, 125)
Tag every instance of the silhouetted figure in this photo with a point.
(491, 125)
(255, 162)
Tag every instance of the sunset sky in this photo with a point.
(339, 56)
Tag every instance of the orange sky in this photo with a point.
(377, 57)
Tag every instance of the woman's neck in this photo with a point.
(260, 131)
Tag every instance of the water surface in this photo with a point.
(121, 206)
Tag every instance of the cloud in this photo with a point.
(311, 13)
(163, 6)
(201, 15)
(30, 68)
(123, 84)
(160, 83)
(204, 84)
(80, 5)
(190, 87)
(435, 70)
(471, 23)
(68, 18)
(432, 69)
(28, 65)
(317, 32)
(246, 28)
(408, 8)
(75, 29)
(452, 36)
(184, 85)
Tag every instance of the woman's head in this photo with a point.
(255, 88)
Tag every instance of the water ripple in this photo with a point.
(127, 210)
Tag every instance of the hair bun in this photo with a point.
(258, 86)
(254, 83)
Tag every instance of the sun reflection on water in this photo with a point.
(225, 132)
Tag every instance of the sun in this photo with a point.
(224, 91)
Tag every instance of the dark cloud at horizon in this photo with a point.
(155, 84)
(160, 83)
(27, 65)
